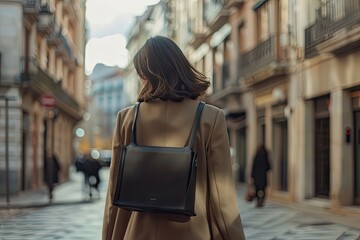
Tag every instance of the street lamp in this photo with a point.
(80, 132)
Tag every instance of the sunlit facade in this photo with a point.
(155, 21)
(42, 69)
(285, 73)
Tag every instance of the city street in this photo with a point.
(72, 217)
(279, 75)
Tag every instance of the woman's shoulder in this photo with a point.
(126, 113)
(126, 110)
(212, 108)
(212, 111)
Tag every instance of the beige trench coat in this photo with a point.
(167, 123)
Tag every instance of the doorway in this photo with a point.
(281, 154)
(322, 147)
(45, 146)
(25, 184)
(261, 127)
(322, 158)
(241, 154)
(357, 158)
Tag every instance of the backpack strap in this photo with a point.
(193, 128)
(195, 125)
(133, 128)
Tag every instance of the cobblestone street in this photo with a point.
(77, 219)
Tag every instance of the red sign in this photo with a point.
(347, 131)
(47, 101)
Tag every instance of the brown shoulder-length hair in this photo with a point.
(167, 73)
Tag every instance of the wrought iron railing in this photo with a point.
(32, 3)
(31, 6)
(48, 25)
(44, 83)
(66, 44)
(257, 58)
(331, 16)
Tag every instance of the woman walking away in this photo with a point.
(169, 98)
(260, 168)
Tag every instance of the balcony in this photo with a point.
(265, 61)
(47, 25)
(216, 14)
(64, 45)
(336, 29)
(42, 83)
(31, 9)
(53, 39)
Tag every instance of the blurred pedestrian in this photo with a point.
(171, 89)
(260, 168)
(90, 167)
(51, 172)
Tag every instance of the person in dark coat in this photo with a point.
(90, 168)
(261, 166)
(51, 172)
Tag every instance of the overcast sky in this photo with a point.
(108, 23)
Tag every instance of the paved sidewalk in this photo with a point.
(72, 216)
(70, 192)
(277, 221)
(304, 208)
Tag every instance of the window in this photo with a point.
(262, 16)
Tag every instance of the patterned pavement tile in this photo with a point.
(84, 221)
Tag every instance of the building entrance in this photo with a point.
(241, 154)
(25, 183)
(322, 148)
(357, 157)
(322, 158)
(283, 155)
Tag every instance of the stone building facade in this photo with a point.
(157, 20)
(285, 73)
(42, 45)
